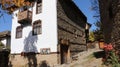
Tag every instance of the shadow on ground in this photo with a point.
(44, 64)
(99, 54)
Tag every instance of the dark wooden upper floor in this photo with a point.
(25, 17)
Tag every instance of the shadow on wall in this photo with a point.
(30, 49)
(32, 60)
(30, 43)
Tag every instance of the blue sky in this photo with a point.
(5, 22)
(84, 5)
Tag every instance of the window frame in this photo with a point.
(19, 31)
(37, 27)
(39, 6)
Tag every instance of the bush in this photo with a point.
(111, 58)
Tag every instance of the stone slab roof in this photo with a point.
(5, 34)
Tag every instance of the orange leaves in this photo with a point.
(3, 2)
(20, 3)
(27, 3)
(17, 3)
(11, 5)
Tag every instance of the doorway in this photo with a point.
(64, 53)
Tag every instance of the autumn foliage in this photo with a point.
(11, 5)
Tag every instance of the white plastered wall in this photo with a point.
(48, 38)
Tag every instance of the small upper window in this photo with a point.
(23, 8)
(39, 7)
(19, 32)
(37, 27)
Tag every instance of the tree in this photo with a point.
(1, 45)
(99, 27)
(95, 8)
(97, 34)
(11, 5)
(91, 36)
(99, 31)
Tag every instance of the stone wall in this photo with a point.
(33, 60)
(116, 23)
(71, 27)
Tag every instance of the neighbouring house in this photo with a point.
(87, 30)
(48, 33)
(5, 39)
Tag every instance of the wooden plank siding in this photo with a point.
(71, 26)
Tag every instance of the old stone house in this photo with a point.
(5, 39)
(50, 32)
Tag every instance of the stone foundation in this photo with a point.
(33, 60)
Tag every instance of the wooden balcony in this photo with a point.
(25, 17)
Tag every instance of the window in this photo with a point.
(39, 7)
(19, 32)
(23, 8)
(37, 27)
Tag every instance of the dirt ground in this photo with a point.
(93, 59)
(90, 58)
